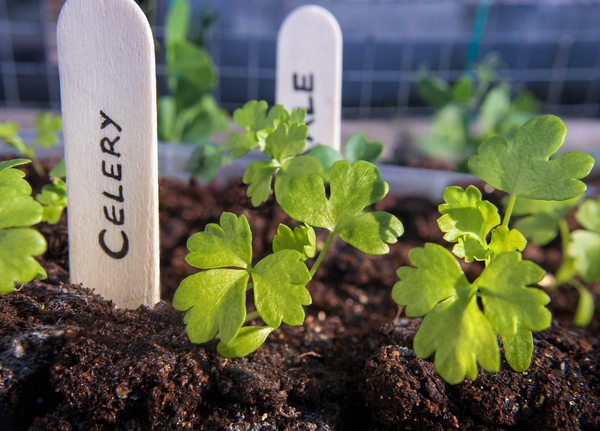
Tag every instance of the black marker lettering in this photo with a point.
(310, 110)
(112, 174)
(108, 121)
(111, 144)
(303, 87)
(117, 198)
(115, 255)
(113, 219)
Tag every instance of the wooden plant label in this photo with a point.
(309, 71)
(108, 96)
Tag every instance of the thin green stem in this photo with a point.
(321, 256)
(565, 234)
(509, 210)
(251, 316)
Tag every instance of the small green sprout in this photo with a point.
(455, 328)
(18, 244)
(47, 127)
(215, 299)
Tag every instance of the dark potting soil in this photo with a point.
(69, 360)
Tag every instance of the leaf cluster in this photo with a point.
(455, 328)
(215, 299)
(18, 243)
(471, 110)
(47, 128)
(190, 113)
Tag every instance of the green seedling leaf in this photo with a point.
(259, 175)
(47, 125)
(54, 200)
(167, 117)
(352, 189)
(279, 291)
(461, 336)
(229, 244)
(470, 249)
(192, 64)
(14, 177)
(301, 165)
(525, 171)
(301, 239)
(494, 108)
(59, 170)
(286, 141)
(584, 249)
(541, 223)
(465, 213)
(507, 301)
(437, 276)
(519, 349)
(247, 341)
(253, 118)
(463, 89)
(326, 156)
(505, 239)
(447, 137)
(359, 148)
(588, 215)
(17, 246)
(585, 307)
(434, 91)
(10, 129)
(17, 209)
(177, 22)
(215, 301)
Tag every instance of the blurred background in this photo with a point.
(546, 49)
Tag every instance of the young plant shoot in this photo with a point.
(18, 244)
(455, 328)
(215, 299)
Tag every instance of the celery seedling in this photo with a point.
(454, 327)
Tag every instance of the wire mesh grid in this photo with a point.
(549, 47)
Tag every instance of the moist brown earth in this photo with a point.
(70, 360)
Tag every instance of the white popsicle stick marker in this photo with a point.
(309, 71)
(108, 96)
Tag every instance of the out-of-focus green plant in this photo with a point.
(190, 114)
(473, 109)
(47, 127)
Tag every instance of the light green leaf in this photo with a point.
(461, 336)
(519, 349)
(59, 170)
(14, 177)
(352, 189)
(247, 341)
(584, 249)
(54, 200)
(359, 148)
(222, 246)
(215, 301)
(9, 129)
(301, 239)
(47, 125)
(259, 175)
(18, 210)
(434, 91)
(17, 246)
(507, 301)
(588, 215)
(525, 171)
(301, 165)
(470, 248)
(326, 156)
(192, 64)
(279, 291)
(465, 213)
(286, 141)
(177, 22)
(504, 239)
(585, 307)
(463, 89)
(495, 107)
(240, 144)
(166, 116)
(297, 116)
(253, 117)
(447, 137)
(437, 276)
(565, 272)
